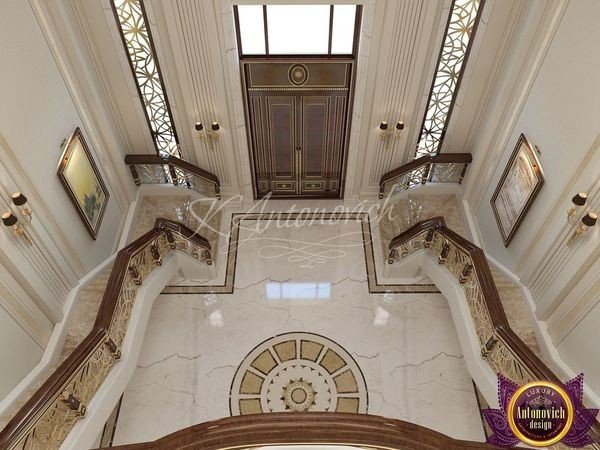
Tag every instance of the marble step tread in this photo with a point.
(516, 310)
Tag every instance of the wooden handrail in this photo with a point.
(305, 428)
(501, 327)
(442, 158)
(172, 161)
(54, 386)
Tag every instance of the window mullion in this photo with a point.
(266, 30)
(330, 29)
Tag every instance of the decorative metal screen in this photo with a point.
(460, 30)
(137, 39)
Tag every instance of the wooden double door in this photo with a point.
(298, 115)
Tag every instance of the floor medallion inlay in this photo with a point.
(298, 372)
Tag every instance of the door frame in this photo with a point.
(294, 59)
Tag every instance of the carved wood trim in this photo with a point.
(307, 428)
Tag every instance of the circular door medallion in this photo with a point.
(298, 372)
(298, 74)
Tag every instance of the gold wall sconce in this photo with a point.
(587, 221)
(579, 201)
(212, 134)
(20, 201)
(10, 221)
(385, 133)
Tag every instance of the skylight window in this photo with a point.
(344, 17)
(302, 29)
(252, 29)
(297, 29)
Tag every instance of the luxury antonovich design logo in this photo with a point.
(540, 414)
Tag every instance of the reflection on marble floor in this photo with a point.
(405, 344)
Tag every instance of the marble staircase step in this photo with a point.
(516, 309)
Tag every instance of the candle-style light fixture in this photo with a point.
(211, 134)
(20, 201)
(10, 221)
(385, 133)
(578, 201)
(587, 221)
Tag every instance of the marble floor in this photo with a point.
(312, 278)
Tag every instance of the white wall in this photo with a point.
(37, 114)
(38, 109)
(561, 116)
(15, 341)
(558, 109)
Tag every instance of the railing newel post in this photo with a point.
(487, 348)
(156, 257)
(170, 238)
(113, 348)
(428, 238)
(134, 174)
(462, 173)
(134, 273)
(74, 404)
(465, 273)
(425, 175)
(392, 256)
(208, 257)
(444, 253)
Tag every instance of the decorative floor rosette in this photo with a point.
(298, 372)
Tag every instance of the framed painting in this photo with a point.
(519, 185)
(81, 179)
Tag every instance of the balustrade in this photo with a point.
(501, 348)
(441, 168)
(49, 415)
(154, 169)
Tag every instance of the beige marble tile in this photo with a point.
(515, 307)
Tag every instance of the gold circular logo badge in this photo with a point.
(540, 413)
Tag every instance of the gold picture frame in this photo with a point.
(520, 183)
(81, 179)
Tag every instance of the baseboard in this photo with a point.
(471, 222)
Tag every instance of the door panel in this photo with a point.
(315, 131)
(298, 133)
(282, 127)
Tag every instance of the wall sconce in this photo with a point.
(587, 221)
(20, 201)
(385, 133)
(212, 135)
(578, 202)
(10, 221)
